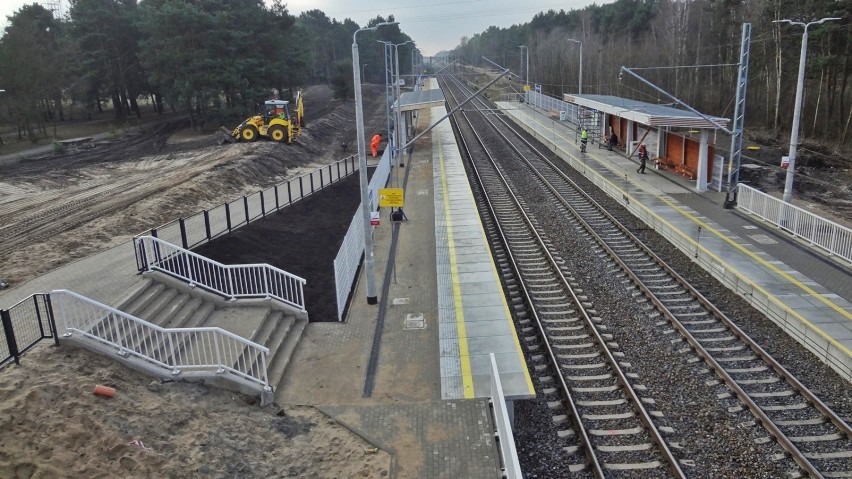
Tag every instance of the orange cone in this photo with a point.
(104, 391)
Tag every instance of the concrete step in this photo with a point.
(133, 294)
(284, 352)
(140, 300)
(198, 318)
(165, 315)
(181, 317)
(275, 328)
(161, 312)
(156, 305)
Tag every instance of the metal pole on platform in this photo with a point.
(580, 86)
(369, 259)
(797, 110)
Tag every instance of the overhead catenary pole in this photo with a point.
(369, 259)
(739, 120)
(797, 109)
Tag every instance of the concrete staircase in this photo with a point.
(169, 304)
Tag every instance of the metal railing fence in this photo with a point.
(230, 281)
(549, 104)
(347, 260)
(24, 325)
(352, 249)
(209, 224)
(828, 235)
(505, 437)
(208, 351)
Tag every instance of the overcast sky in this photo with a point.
(434, 24)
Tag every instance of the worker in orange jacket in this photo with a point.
(374, 144)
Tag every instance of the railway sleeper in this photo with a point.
(632, 466)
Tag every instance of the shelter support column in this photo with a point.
(661, 140)
(628, 142)
(701, 181)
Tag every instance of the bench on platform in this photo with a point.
(668, 164)
(686, 171)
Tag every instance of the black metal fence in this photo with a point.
(206, 225)
(24, 325)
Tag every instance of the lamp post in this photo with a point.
(797, 109)
(527, 69)
(580, 86)
(398, 121)
(369, 260)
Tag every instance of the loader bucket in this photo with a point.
(225, 136)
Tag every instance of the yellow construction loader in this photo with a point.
(277, 122)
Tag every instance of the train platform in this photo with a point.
(441, 312)
(804, 291)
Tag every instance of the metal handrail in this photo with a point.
(231, 281)
(828, 235)
(207, 349)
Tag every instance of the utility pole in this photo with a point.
(797, 110)
(369, 259)
(580, 86)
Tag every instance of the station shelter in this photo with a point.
(668, 132)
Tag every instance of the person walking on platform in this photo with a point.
(584, 138)
(374, 144)
(613, 140)
(643, 158)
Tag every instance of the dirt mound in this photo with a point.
(57, 208)
(51, 425)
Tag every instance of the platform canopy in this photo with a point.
(645, 113)
(416, 100)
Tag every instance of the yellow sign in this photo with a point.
(527, 88)
(392, 197)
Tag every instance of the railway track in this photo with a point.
(810, 433)
(604, 424)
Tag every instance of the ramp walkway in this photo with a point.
(805, 292)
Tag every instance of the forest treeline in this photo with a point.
(216, 59)
(659, 35)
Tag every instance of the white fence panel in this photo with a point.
(720, 165)
(347, 260)
(511, 463)
(826, 234)
(352, 249)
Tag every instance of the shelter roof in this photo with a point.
(645, 113)
(415, 100)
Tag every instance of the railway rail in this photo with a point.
(606, 425)
(810, 433)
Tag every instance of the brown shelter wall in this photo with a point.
(684, 152)
(620, 125)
